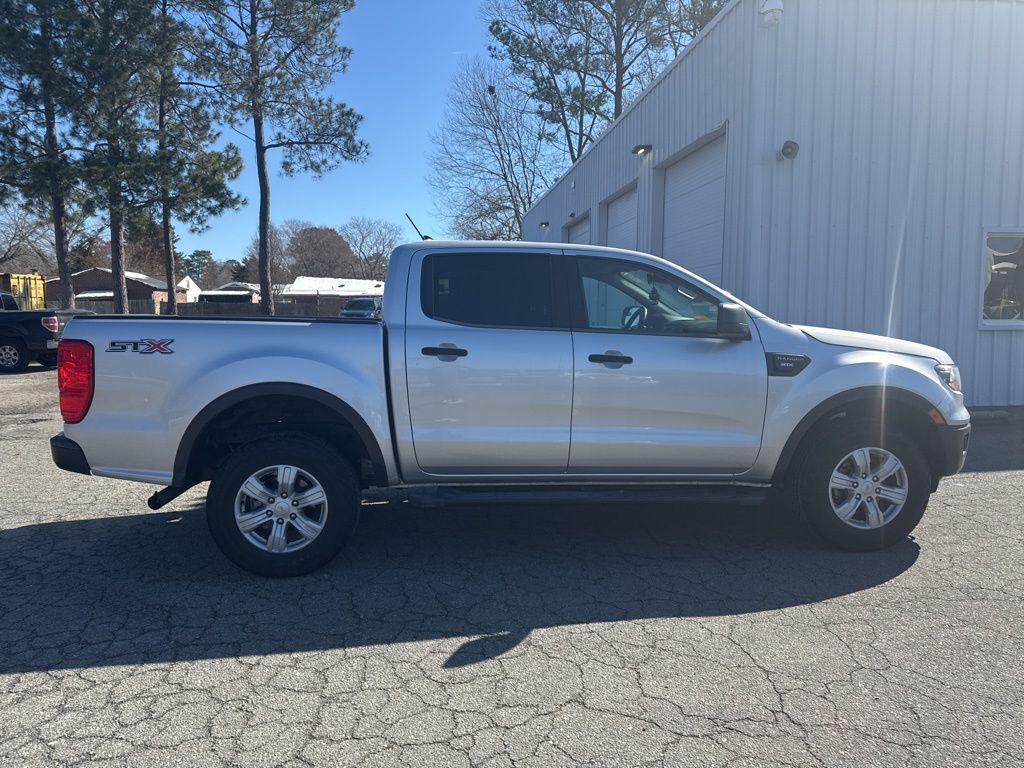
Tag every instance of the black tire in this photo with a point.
(332, 470)
(821, 456)
(14, 356)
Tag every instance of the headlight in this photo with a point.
(950, 374)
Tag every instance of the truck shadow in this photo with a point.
(144, 589)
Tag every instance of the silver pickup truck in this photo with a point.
(550, 371)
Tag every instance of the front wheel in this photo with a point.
(862, 489)
(283, 506)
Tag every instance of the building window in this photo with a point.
(1004, 277)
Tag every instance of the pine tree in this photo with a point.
(270, 61)
(35, 158)
(110, 50)
(192, 179)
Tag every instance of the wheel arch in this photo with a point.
(891, 405)
(186, 469)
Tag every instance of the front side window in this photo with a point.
(511, 290)
(1004, 277)
(625, 296)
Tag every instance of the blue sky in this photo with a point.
(404, 55)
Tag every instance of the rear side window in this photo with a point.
(511, 290)
(8, 301)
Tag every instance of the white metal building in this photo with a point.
(902, 211)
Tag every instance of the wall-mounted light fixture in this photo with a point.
(771, 12)
(642, 149)
(788, 152)
(545, 224)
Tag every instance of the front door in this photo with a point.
(656, 392)
(489, 365)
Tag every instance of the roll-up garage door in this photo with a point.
(695, 211)
(580, 231)
(622, 221)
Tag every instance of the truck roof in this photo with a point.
(516, 245)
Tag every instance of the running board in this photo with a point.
(454, 495)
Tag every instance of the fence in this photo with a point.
(321, 308)
(244, 309)
(135, 306)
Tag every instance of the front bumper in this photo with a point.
(68, 455)
(954, 442)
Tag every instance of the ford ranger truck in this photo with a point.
(511, 369)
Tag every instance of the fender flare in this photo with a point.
(872, 394)
(216, 407)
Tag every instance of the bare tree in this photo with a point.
(491, 158)
(275, 248)
(319, 252)
(372, 241)
(24, 244)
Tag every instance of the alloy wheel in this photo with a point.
(868, 488)
(281, 509)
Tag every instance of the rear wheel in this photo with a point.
(861, 489)
(13, 356)
(283, 507)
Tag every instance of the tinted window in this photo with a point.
(8, 301)
(503, 289)
(625, 296)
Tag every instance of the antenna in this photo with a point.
(422, 236)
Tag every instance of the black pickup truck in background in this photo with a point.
(26, 335)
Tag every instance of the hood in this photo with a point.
(870, 341)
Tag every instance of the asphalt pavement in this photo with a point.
(591, 635)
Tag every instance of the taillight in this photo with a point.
(74, 378)
(50, 323)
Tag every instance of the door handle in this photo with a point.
(611, 357)
(444, 352)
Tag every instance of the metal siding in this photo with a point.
(908, 115)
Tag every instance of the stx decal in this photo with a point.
(143, 346)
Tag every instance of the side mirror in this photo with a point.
(634, 316)
(733, 322)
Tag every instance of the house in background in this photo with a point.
(328, 295)
(232, 293)
(191, 288)
(343, 287)
(849, 163)
(94, 289)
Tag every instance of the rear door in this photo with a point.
(489, 363)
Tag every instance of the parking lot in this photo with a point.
(613, 635)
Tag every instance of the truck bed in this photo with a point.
(153, 376)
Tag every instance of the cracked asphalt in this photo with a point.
(615, 635)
